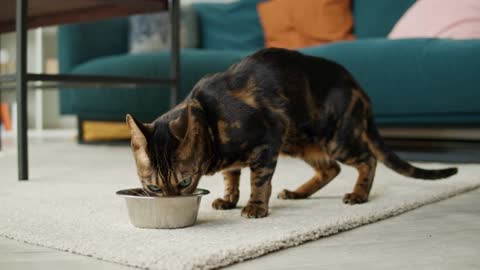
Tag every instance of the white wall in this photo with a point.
(51, 116)
(8, 43)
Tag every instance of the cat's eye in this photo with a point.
(154, 188)
(185, 183)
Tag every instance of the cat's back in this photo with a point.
(267, 69)
(278, 79)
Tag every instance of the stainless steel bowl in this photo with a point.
(162, 212)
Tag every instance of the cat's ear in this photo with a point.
(139, 132)
(191, 130)
(139, 142)
(179, 126)
(188, 121)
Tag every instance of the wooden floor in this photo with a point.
(445, 235)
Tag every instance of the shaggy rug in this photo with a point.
(70, 204)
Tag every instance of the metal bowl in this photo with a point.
(162, 212)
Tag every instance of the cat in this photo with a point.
(273, 102)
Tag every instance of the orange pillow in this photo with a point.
(302, 23)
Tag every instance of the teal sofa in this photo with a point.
(410, 81)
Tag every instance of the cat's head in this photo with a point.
(172, 155)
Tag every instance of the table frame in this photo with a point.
(21, 78)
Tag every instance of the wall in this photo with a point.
(51, 118)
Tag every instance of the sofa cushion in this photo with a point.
(151, 32)
(458, 21)
(305, 22)
(377, 18)
(145, 103)
(419, 78)
(233, 26)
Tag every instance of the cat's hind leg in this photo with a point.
(231, 181)
(366, 173)
(325, 172)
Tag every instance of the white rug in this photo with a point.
(70, 204)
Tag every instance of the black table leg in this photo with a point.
(174, 9)
(21, 85)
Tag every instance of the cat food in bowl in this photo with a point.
(162, 212)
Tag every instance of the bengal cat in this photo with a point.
(273, 102)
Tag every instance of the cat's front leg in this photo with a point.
(231, 181)
(261, 189)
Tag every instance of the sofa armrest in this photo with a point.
(78, 43)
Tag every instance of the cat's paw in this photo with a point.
(354, 198)
(254, 211)
(221, 204)
(289, 195)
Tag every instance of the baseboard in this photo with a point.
(435, 133)
(429, 150)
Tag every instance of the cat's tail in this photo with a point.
(394, 162)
